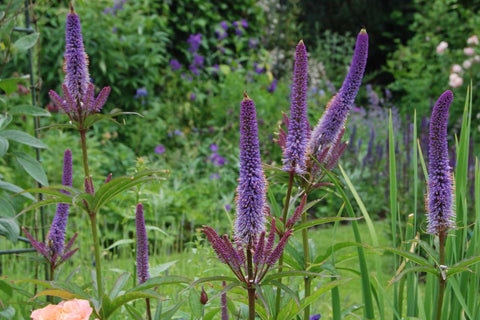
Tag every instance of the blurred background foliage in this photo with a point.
(184, 64)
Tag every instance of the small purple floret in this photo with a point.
(250, 200)
(441, 216)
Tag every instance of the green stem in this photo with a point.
(306, 259)
(250, 284)
(96, 247)
(83, 142)
(280, 261)
(441, 280)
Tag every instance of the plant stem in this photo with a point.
(284, 217)
(83, 141)
(93, 216)
(441, 280)
(306, 259)
(96, 247)
(250, 284)
(149, 312)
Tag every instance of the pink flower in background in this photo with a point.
(467, 64)
(473, 40)
(160, 149)
(468, 51)
(66, 310)
(456, 68)
(455, 80)
(442, 46)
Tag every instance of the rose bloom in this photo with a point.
(473, 40)
(442, 46)
(456, 68)
(469, 51)
(66, 310)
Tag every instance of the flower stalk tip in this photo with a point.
(439, 202)
(142, 246)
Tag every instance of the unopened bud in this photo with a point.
(203, 297)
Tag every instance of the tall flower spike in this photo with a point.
(334, 117)
(441, 215)
(294, 155)
(142, 246)
(250, 199)
(77, 78)
(56, 234)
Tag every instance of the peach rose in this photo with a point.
(66, 310)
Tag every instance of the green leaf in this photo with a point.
(108, 191)
(409, 255)
(119, 243)
(22, 137)
(159, 281)
(5, 120)
(156, 270)
(5, 287)
(7, 209)
(30, 110)
(194, 303)
(10, 85)
(108, 308)
(119, 284)
(7, 313)
(3, 146)
(467, 262)
(320, 221)
(10, 229)
(26, 42)
(416, 270)
(64, 294)
(33, 167)
(15, 189)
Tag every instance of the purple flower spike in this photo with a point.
(223, 302)
(56, 234)
(101, 99)
(294, 155)
(441, 215)
(76, 61)
(334, 117)
(142, 246)
(250, 200)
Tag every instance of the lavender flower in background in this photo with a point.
(141, 92)
(216, 159)
(258, 69)
(441, 216)
(213, 147)
(244, 23)
(56, 234)
(334, 117)
(224, 25)
(194, 40)
(273, 86)
(175, 65)
(239, 32)
(193, 96)
(250, 219)
(228, 207)
(178, 132)
(294, 155)
(142, 246)
(214, 176)
(159, 149)
(315, 317)
(221, 34)
(252, 43)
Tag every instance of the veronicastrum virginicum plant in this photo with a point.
(83, 110)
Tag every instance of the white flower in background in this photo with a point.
(467, 64)
(473, 40)
(476, 59)
(456, 68)
(455, 80)
(442, 46)
(468, 51)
